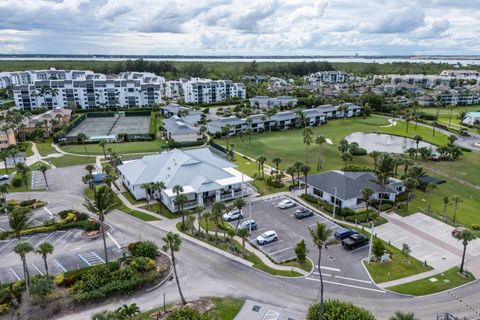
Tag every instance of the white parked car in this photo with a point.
(267, 237)
(4, 177)
(285, 204)
(233, 215)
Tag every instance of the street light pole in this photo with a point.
(250, 222)
(334, 203)
(371, 244)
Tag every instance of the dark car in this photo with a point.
(248, 224)
(341, 234)
(303, 213)
(354, 241)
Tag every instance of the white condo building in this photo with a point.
(198, 90)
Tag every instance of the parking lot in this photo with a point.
(340, 267)
(71, 250)
(38, 180)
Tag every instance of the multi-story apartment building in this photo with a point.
(16, 78)
(208, 91)
(329, 77)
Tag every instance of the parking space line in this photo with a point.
(113, 240)
(428, 256)
(36, 268)
(63, 236)
(358, 249)
(7, 244)
(348, 285)
(399, 239)
(269, 244)
(353, 279)
(97, 256)
(272, 253)
(58, 264)
(15, 274)
(333, 227)
(2, 229)
(48, 211)
(416, 246)
(323, 274)
(43, 240)
(328, 268)
(84, 260)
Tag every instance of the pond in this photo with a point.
(385, 142)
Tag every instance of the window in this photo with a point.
(317, 192)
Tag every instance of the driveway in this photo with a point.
(430, 240)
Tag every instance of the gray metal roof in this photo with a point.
(176, 125)
(349, 184)
(285, 115)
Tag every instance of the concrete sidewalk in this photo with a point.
(252, 310)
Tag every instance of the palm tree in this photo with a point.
(367, 194)
(374, 155)
(158, 187)
(446, 203)
(466, 236)
(305, 170)
(172, 244)
(408, 118)
(177, 189)
(320, 237)
(384, 173)
(261, 162)
(206, 216)
(226, 132)
(430, 188)
(239, 203)
(344, 109)
(243, 233)
(456, 200)
(399, 315)
(18, 220)
(346, 157)
(451, 108)
(82, 137)
(307, 140)
(417, 140)
(45, 249)
(22, 168)
(410, 185)
(4, 156)
(22, 248)
(12, 152)
(319, 141)
(277, 161)
(416, 172)
(217, 210)
(406, 165)
(43, 168)
(291, 171)
(127, 312)
(147, 187)
(4, 189)
(103, 145)
(298, 166)
(101, 205)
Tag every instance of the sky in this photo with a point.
(240, 27)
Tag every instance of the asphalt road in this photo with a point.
(203, 272)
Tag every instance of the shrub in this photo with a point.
(49, 222)
(92, 225)
(144, 249)
(348, 212)
(4, 308)
(401, 197)
(361, 217)
(64, 213)
(358, 152)
(59, 279)
(475, 226)
(17, 182)
(188, 313)
(309, 198)
(378, 248)
(27, 203)
(142, 264)
(338, 310)
(82, 216)
(41, 286)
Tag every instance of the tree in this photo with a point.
(450, 108)
(446, 203)
(305, 170)
(384, 172)
(338, 310)
(430, 188)
(344, 109)
(127, 311)
(217, 211)
(405, 251)
(374, 155)
(103, 144)
(378, 248)
(307, 140)
(22, 168)
(367, 194)
(180, 201)
(4, 156)
(408, 118)
(22, 248)
(206, 217)
(291, 171)
(44, 249)
(147, 187)
(172, 243)
(319, 141)
(158, 187)
(346, 157)
(12, 152)
(456, 200)
(298, 166)
(239, 203)
(320, 237)
(466, 236)
(18, 220)
(4, 189)
(410, 185)
(101, 205)
(226, 132)
(399, 315)
(417, 140)
(301, 251)
(243, 234)
(43, 168)
(177, 189)
(261, 162)
(82, 137)
(277, 161)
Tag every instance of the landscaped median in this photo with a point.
(440, 282)
(231, 244)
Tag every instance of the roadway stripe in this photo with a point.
(48, 211)
(58, 264)
(399, 239)
(7, 244)
(2, 229)
(84, 260)
(41, 273)
(43, 240)
(269, 244)
(328, 268)
(271, 253)
(97, 256)
(113, 240)
(56, 241)
(358, 249)
(428, 256)
(417, 245)
(348, 285)
(323, 274)
(352, 279)
(15, 274)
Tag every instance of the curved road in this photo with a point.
(204, 272)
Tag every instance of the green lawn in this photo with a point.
(45, 148)
(445, 281)
(28, 148)
(160, 208)
(126, 147)
(21, 188)
(131, 198)
(68, 160)
(288, 144)
(444, 114)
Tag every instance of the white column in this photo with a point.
(217, 195)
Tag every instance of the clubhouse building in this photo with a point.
(203, 176)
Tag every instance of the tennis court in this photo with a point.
(97, 128)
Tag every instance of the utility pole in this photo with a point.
(371, 244)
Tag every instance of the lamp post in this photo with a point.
(371, 243)
(334, 203)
